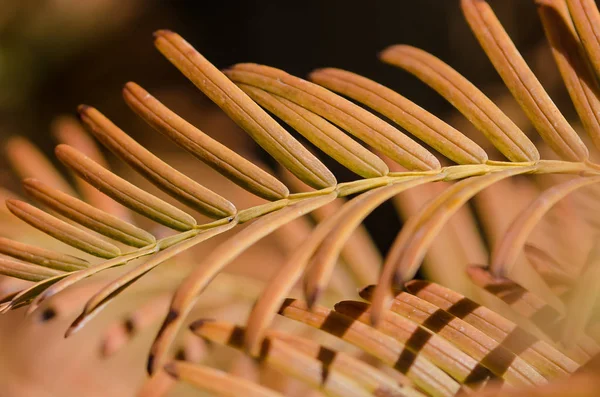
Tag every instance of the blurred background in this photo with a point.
(57, 54)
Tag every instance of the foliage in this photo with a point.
(440, 340)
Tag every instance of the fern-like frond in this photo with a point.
(441, 341)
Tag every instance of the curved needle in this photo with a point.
(416, 120)
(102, 297)
(522, 83)
(407, 252)
(244, 111)
(506, 252)
(162, 175)
(348, 116)
(62, 231)
(124, 192)
(188, 291)
(355, 211)
(485, 115)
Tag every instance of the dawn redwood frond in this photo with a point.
(468, 99)
(154, 169)
(208, 150)
(355, 120)
(41, 256)
(124, 192)
(86, 215)
(520, 80)
(244, 111)
(63, 231)
(412, 337)
(321, 133)
(422, 124)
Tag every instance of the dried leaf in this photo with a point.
(420, 341)
(506, 252)
(43, 291)
(418, 233)
(549, 268)
(459, 242)
(188, 291)
(360, 253)
(582, 300)
(25, 271)
(124, 192)
(529, 305)
(278, 288)
(104, 295)
(36, 166)
(408, 250)
(372, 379)
(489, 354)
(321, 133)
(246, 113)
(420, 370)
(516, 296)
(354, 213)
(419, 122)
(154, 169)
(67, 304)
(68, 130)
(41, 256)
(87, 215)
(25, 296)
(62, 231)
(468, 99)
(211, 152)
(579, 385)
(312, 370)
(215, 381)
(520, 80)
(587, 20)
(355, 120)
(572, 62)
(544, 358)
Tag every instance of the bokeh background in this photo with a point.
(57, 54)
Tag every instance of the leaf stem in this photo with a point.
(450, 173)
